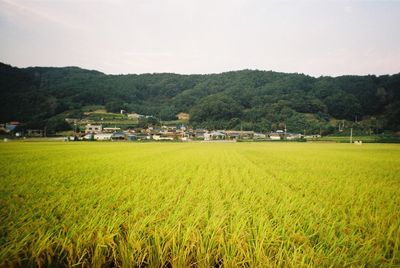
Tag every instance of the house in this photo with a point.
(118, 136)
(199, 133)
(111, 129)
(278, 135)
(238, 134)
(103, 136)
(312, 136)
(233, 135)
(174, 135)
(130, 130)
(294, 136)
(11, 126)
(275, 136)
(207, 136)
(189, 134)
(141, 136)
(214, 135)
(93, 129)
(182, 116)
(181, 127)
(132, 137)
(88, 137)
(161, 138)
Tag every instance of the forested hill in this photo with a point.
(248, 99)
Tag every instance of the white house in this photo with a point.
(111, 129)
(93, 129)
(103, 136)
(160, 138)
(274, 136)
(214, 135)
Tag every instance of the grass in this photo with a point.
(366, 138)
(199, 204)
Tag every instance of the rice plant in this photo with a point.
(199, 205)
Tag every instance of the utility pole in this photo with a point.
(285, 131)
(341, 126)
(351, 135)
(241, 130)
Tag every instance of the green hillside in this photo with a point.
(247, 99)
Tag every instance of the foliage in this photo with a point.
(260, 100)
(56, 124)
(145, 122)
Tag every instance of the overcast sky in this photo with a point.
(203, 36)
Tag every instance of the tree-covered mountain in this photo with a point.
(248, 99)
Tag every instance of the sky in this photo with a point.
(203, 36)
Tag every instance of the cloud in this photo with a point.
(37, 13)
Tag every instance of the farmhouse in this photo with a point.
(132, 137)
(199, 133)
(111, 129)
(160, 138)
(294, 136)
(313, 136)
(278, 135)
(141, 136)
(93, 129)
(11, 126)
(237, 134)
(275, 136)
(214, 135)
(118, 136)
(102, 136)
(88, 137)
(183, 116)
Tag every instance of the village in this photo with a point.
(180, 131)
(184, 134)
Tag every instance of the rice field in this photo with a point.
(199, 204)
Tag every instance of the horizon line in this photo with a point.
(211, 73)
